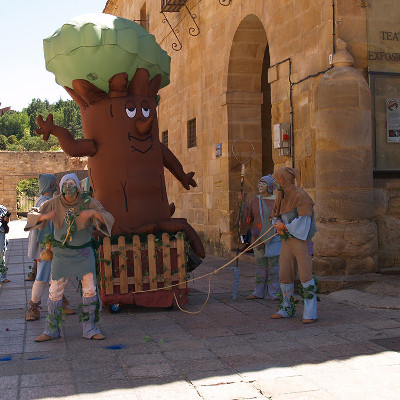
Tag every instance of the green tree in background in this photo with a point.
(14, 123)
(3, 142)
(35, 108)
(28, 187)
(17, 129)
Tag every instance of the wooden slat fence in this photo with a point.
(140, 266)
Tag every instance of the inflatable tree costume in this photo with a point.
(113, 68)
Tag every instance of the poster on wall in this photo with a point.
(393, 120)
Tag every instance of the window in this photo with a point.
(143, 17)
(164, 138)
(191, 133)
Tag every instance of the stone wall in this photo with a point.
(18, 165)
(387, 219)
(218, 77)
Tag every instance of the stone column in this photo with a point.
(346, 242)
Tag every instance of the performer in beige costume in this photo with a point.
(294, 217)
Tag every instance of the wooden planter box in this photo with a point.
(133, 272)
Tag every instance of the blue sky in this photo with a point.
(23, 26)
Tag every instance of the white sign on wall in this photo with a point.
(393, 120)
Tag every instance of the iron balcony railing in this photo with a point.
(172, 5)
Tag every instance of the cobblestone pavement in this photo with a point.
(231, 350)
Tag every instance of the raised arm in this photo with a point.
(173, 165)
(71, 146)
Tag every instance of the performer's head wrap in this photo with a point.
(47, 183)
(269, 180)
(71, 177)
(291, 197)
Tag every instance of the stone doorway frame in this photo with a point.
(244, 99)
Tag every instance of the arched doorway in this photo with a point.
(249, 100)
(266, 125)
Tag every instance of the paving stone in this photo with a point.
(172, 390)
(187, 355)
(7, 382)
(207, 379)
(46, 379)
(158, 370)
(9, 394)
(267, 371)
(186, 344)
(201, 365)
(312, 395)
(98, 374)
(47, 364)
(56, 391)
(6, 350)
(229, 391)
(130, 360)
(272, 387)
(365, 392)
(12, 367)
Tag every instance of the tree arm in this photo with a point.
(175, 167)
(71, 146)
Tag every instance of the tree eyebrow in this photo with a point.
(111, 113)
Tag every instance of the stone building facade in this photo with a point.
(251, 69)
(16, 166)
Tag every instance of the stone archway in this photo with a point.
(248, 98)
(16, 166)
(248, 101)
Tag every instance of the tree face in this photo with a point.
(129, 123)
(127, 172)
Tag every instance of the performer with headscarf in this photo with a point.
(4, 229)
(257, 214)
(294, 218)
(47, 187)
(74, 218)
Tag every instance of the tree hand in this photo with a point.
(188, 181)
(45, 127)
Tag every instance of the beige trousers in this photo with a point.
(294, 253)
(56, 290)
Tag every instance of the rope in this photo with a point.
(215, 272)
(69, 220)
(201, 309)
(210, 274)
(254, 244)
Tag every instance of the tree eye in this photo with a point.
(145, 112)
(130, 111)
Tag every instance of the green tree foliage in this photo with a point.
(14, 123)
(17, 129)
(35, 108)
(28, 187)
(3, 142)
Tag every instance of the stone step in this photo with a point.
(334, 283)
(390, 270)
